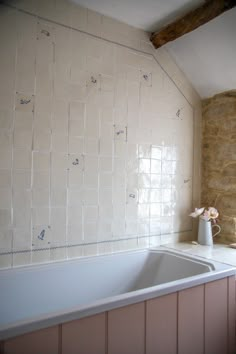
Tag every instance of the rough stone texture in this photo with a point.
(219, 160)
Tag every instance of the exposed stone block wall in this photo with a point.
(219, 160)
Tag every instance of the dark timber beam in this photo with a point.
(191, 21)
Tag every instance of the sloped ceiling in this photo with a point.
(207, 55)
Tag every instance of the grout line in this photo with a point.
(83, 244)
(106, 332)
(60, 339)
(177, 324)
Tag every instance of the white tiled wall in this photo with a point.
(96, 137)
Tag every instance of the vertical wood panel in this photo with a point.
(85, 336)
(1, 347)
(161, 325)
(39, 342)
(231, 314)
(126, 330)
(191, 321)
(216, 326)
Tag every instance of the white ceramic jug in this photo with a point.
(205, 236)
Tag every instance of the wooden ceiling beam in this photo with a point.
(192, 20)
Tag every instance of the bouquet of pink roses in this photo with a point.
(210, 214)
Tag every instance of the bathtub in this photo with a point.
(40, 296)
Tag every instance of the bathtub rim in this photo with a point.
(220, 271)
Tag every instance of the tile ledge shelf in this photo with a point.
(218, 252)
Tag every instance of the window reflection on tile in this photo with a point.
(167, 153)
(166, 225)
(156, 152)
(144, 150)
(166, 181)
(155, 166)
(167, 209)
(155, 181)
(144, 165)
(144, 227)
(155, 195)
(155, 209)
(143, 210)
(144, 180)
(155, 227)
(167, 167)
(166, 195)
(144, 195)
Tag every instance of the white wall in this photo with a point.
(98, 152)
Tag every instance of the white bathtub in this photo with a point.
(45, 295)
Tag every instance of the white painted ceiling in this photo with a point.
(207, 55)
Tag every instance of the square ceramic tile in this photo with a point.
(6, 119)
(145, 78)
(42, 123)
(6, 158)
(144, 165)
(92, 128)
(144, 195)
(22, 159)
(75, 179)
(60, 126)
(76, 144)
(90, 196)
(41, 179)
(5, 178)
(90, 213)
(60, 142)
(41, 236)
(155, 226)
(24, 103)
(23, 140)
(107, 83)
(40, 197)
(58, 178)
(90, 232)
(105, 196)
(76, 162)
(75, 197)
(105, 180)
(6, 237)
(105, 147)
(5, 217)
(40, 216)
(156, 152)
(42, 141)
(58, 197)
(132, 196)
(45, 32)
(144, 180)
(157, 166)
(41, 161)
(76, 127)
(75, 235)
(91, 179)
(120, 132)
(105, 164)
(91, 146)
(59, 161)
(58, 216)
(144, 151)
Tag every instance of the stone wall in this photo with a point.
(219, 160)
